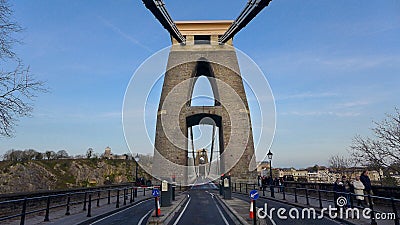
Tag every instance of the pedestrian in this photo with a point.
(359, 191)
(338, 189)
(347, 189)
(364, 178)
(264, 182)
(280, 182)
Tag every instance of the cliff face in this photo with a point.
(64, 173)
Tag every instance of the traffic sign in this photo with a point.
(254, 195)
(155, 192)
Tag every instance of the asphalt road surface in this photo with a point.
(136, 214)
(277, 205)
(202, 207)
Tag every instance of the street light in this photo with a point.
(137, 158)
(269, 154)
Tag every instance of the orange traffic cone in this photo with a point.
(251, 210)
(158, 207)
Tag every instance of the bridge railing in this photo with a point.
(87, 199)
(319, 198)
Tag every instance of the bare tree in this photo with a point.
(8, 28)
(383, 149)
(340, 164)
(18, 87)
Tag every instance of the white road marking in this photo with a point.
(180, 215)
(118, 212)
(141, 220)
(220, 212)
(270, 219)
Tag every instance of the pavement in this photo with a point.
(301, 203)
(78, 215)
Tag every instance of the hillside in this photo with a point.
(64, 173)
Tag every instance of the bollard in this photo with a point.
(84, 202)
(371, 206)
(240, 187)
(319, 199)
(131, 200)
(124, 196)
(295, 195)
(283, 193)
(144, 191)
(308, 201)
(263, 191)
(98, 199)
(23, 214)
(117, 199)
(396, 220)
(246, 188)
(68, 202)
(109, 197)
(351, 200)
(89, 212)
(46, 217)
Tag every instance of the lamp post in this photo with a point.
(137, 158)
(270, 173)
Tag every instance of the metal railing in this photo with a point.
(321, 196)
(86, 198)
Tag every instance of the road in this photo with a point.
(136, 214)
(202, 207)
(277, 205)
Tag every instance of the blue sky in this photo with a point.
(333, 67)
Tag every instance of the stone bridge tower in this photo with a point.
(203, 55)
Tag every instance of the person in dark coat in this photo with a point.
(348, 188)
(364, 178)
(338, 188)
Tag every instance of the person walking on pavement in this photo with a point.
(359, 191)
(364, 178)
(347, 188)
(338, 188)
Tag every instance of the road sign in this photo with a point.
(155, 192)
(254, 194)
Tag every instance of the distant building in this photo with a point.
(319, 174)
(109, 155)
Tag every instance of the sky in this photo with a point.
(333, 67)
